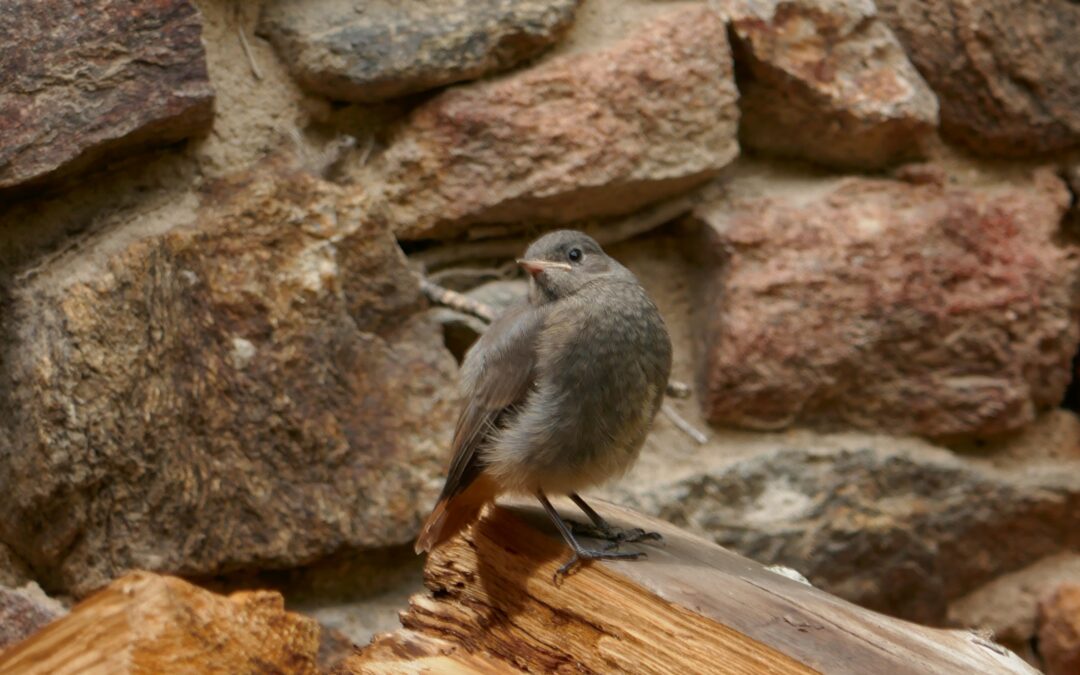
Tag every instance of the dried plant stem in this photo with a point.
(606, 233)
(682, 425)
(456, 301)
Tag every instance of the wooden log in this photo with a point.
(690, 607)
(146, 623)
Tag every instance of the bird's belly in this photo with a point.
(565, 461)
(595, 469)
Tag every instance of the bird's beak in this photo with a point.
(535, 267)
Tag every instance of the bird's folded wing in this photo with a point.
(496, 375)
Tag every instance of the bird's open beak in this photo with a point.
(535, 267)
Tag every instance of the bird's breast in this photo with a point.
(600, 379)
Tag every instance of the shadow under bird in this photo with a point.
(560, 392)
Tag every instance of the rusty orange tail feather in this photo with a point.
(453, 515)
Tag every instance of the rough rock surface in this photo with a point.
(918, 308)
(1005, 71)
(251, 389)
(899, 529)
(24, 611)
(369, 51)
(1007, 606)
(144, 623)
(1059, 631)
(1072, 177)
(827, 81)
(580, 135)
(83, 80)
(13, 571)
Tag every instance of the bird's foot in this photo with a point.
(615, 535)
(583, 555)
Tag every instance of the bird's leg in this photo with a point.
(602, 529)
(580, 554)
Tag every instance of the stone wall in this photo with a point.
(216, 359)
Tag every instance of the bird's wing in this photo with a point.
(496, 375)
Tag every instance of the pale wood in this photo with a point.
(409, 652)
(144, 623)
(690, 607)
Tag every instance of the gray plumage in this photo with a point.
(560, 390)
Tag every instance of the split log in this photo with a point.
(145, 623)
(690, 606)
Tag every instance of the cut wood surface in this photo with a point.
(690, 606)
(144, 623)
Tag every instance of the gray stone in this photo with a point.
(82, 81)
(250, 388)
(366, 51)
(902, 528)
(24, 611)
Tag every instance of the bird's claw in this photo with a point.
(616, 535)
(585, 555)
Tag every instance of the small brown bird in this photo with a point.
(560, 393)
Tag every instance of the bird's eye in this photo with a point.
(575, 254)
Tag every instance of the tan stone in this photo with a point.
(581, 135)
(1059, 631)
(1007, 606)
(827, 81)
(252, 388)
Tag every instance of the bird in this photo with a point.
(559, 394)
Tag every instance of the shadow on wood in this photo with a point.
(691, 606)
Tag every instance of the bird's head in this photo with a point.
(561, 262)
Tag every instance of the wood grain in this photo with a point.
(691, 606)
(144, 623)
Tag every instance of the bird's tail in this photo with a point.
(453, 514)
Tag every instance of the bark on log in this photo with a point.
(691, 606)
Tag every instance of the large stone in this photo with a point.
(1005, 71)
(1059, 631)
(1072, 177)
(901, 527)
(253, 388)
(1007, 607)
(13, 571)
(929, 308)
(581, 135)
(85, 80)
(827, 81)
(24, 611)
(144, 623)
(369, 51)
